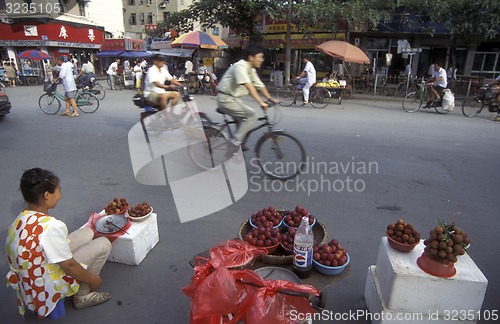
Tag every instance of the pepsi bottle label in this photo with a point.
(302, 256)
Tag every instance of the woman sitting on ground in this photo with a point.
(47, 264)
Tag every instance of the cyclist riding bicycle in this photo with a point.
(438, 82)
(155, 90)
(240, 80)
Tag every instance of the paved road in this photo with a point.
(425, 167)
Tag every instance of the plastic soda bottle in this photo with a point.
(303, 249)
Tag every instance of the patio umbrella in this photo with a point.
(344, 51)
(198, 39)
(34, 55)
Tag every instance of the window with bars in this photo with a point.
(133, 19)
(131, 2)
(150, 18)
(142, 18)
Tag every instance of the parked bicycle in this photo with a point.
(89, 82)
(319, 97)
(206, 84)
(279, 154)
(119, 84)
(50, 102)
(414, 100)
(474, 104)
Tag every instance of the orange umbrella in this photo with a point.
(198, 39)
(344, 51)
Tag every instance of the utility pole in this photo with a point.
(288, 51)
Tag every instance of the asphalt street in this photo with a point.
(424, 167)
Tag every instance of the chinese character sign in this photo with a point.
(91, 35)
(63, 33)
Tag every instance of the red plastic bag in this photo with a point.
(204, 267)
(269, 306)
(217, 294)
(236, 253)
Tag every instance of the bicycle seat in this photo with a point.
(220, 111)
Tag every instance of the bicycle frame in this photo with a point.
(264, 123)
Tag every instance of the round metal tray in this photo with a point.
(277, 273)
(110, 224)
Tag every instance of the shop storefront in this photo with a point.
(73, 40)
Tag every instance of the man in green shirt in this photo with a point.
(240, 80)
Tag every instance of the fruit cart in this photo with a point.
(284, 261)
(334, 88)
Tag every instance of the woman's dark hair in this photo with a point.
(252, 49)
(35, 183)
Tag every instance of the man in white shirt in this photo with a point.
(309, 76)
(69, 86)
(189, 67)
(438, 82)
(112, 72)
(87, 67)
(155, 90)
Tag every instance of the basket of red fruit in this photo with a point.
(294, 217)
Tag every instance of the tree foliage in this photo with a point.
(468, 22)
(239, 15)
(180, 21)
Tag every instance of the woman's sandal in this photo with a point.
(92, 299)
(65, 114)
(74, 115)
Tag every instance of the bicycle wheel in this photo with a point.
(99, 91)
(211, 150)
(32, 81)
(439, 109)
(412, 102)
(49, 104)
(280, 155)
(87, 102)
(319, 97)
(213, 89)
(119, 83)
(285, 97)
(472, 107)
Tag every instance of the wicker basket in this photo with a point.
(280, 256)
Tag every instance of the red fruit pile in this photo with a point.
(263, 237)
(403, 233)
(294, 217)
(267, 218)
(116, 206)
(287, 238)
(139, 210)
(331, 254)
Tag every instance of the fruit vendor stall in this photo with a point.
(261, 261)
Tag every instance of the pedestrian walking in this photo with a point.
(69, 85)
(112, 71)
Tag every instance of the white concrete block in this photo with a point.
(405, 287)
(380, 314)
(133, 247)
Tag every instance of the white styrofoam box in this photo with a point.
(133, 247)
(380, 314)
(406, 287)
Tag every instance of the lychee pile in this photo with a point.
(446, 242)
(403, 233)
